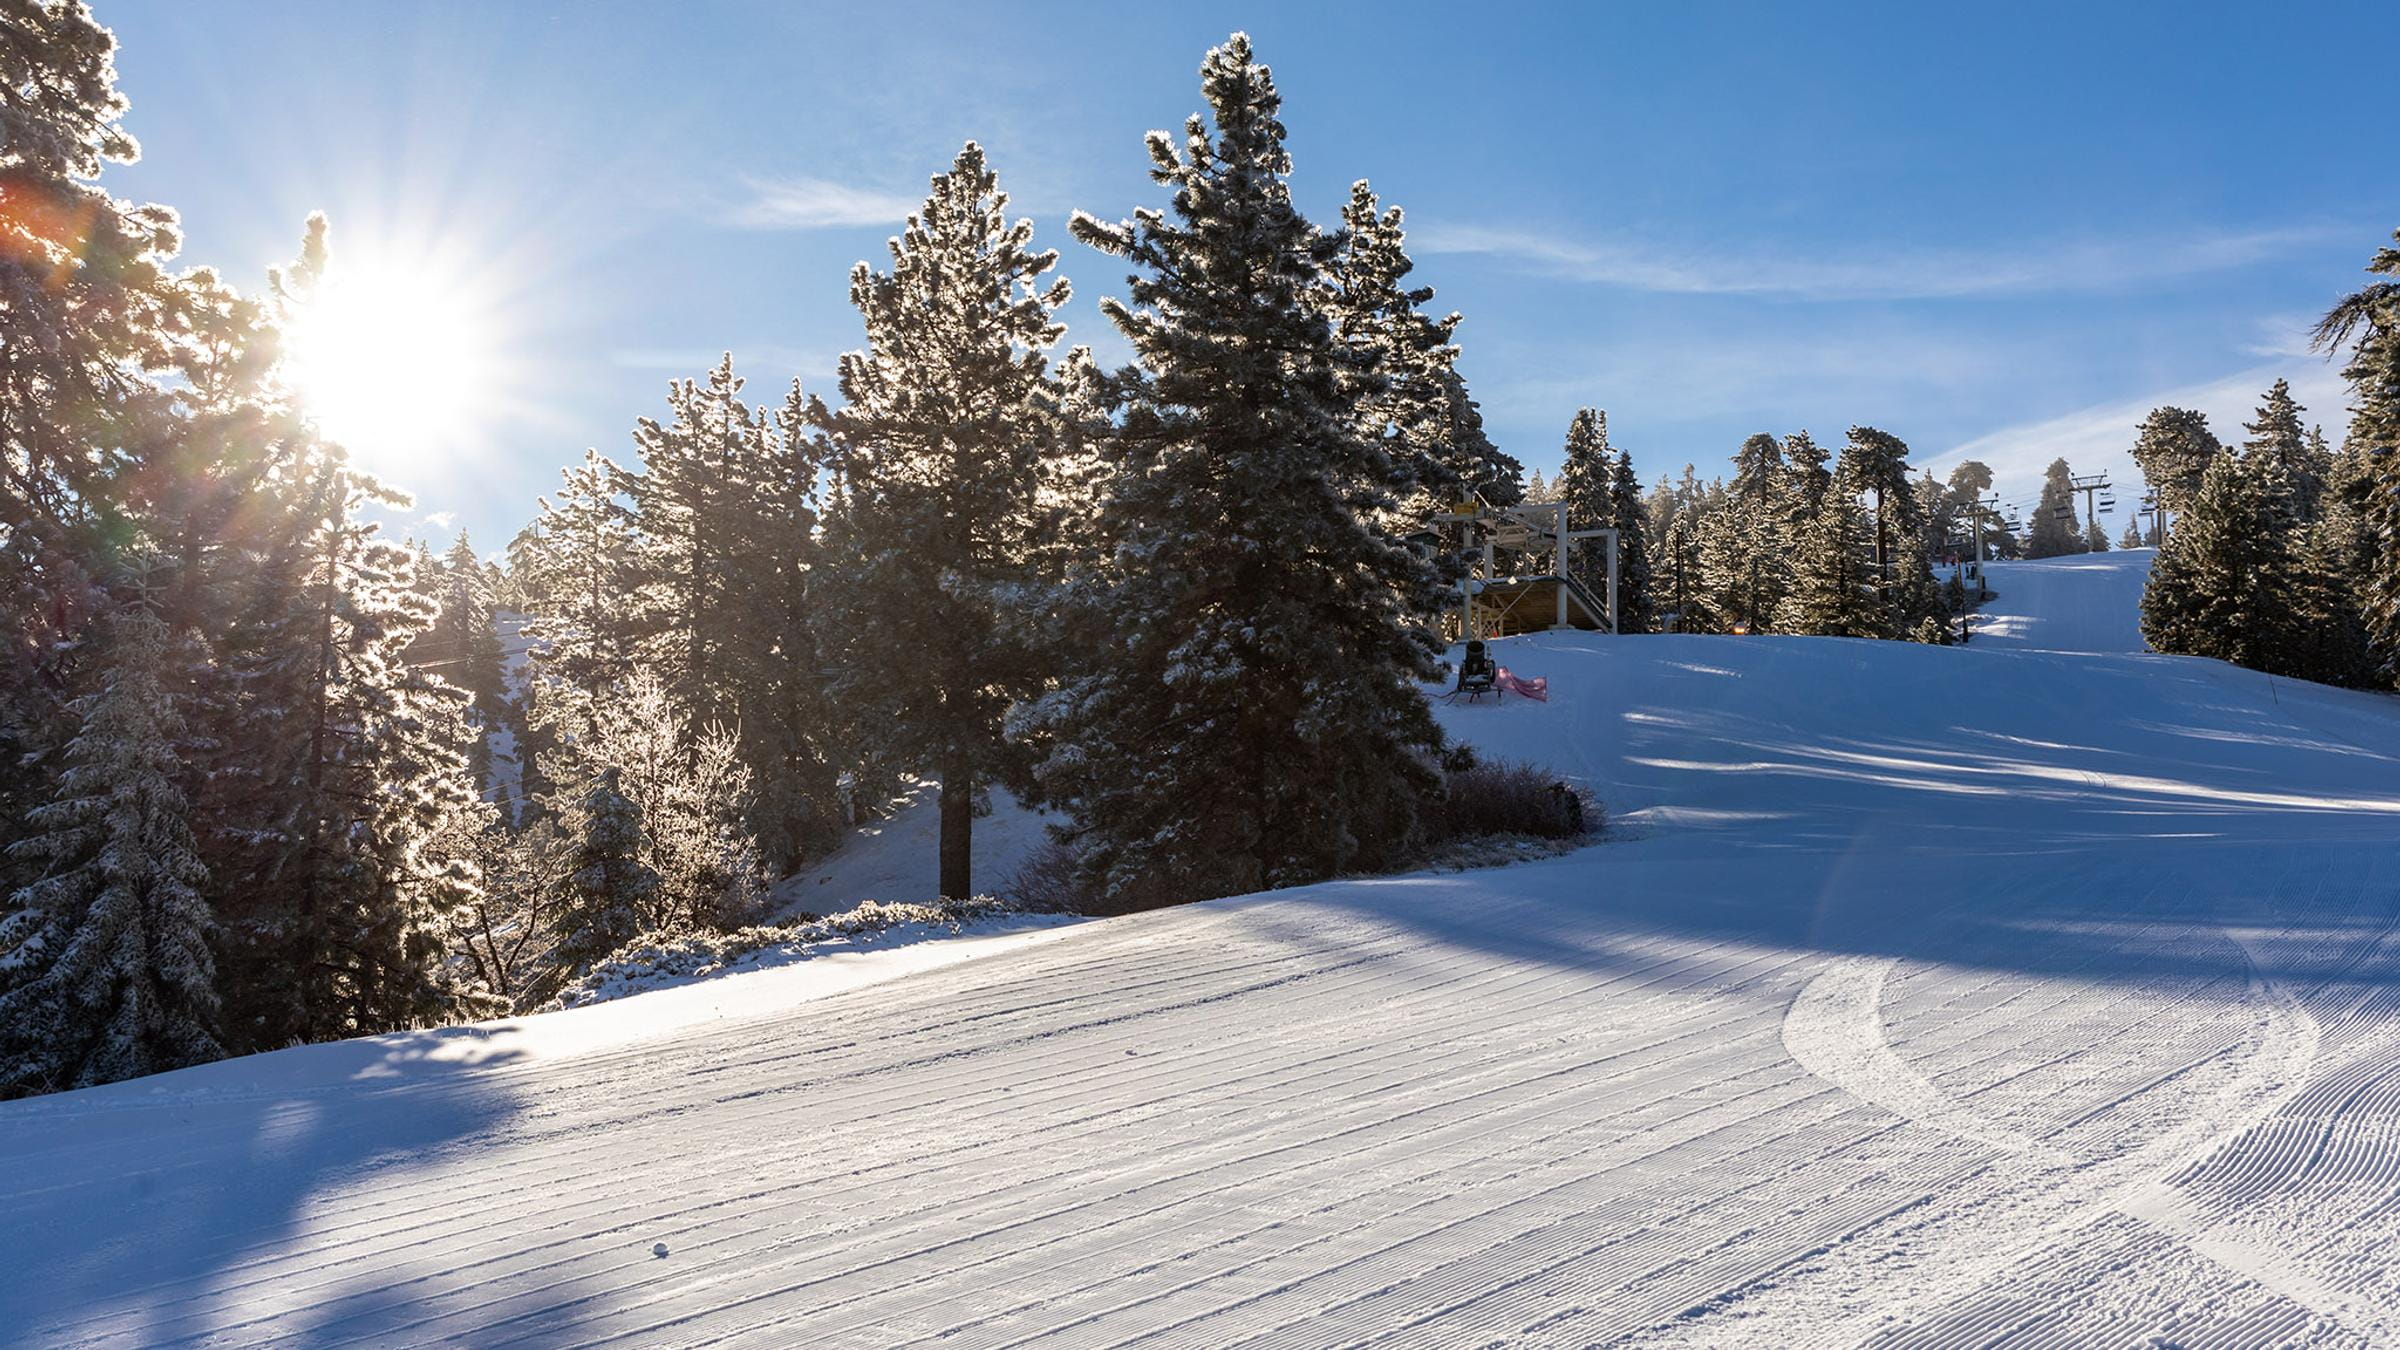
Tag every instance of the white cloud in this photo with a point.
(2099, 438)
(1678, 376)
(815, 203)
(440, 520)
(2286, 337)
(1895, 274)
(752, 361)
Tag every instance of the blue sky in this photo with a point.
(2004, 231)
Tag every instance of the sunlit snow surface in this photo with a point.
(1996, 995)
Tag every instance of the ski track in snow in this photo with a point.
(2006, 996)
(1834, 1028)
(1835, 1031)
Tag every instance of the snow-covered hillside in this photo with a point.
(896, 860)
(1922, 996)
(2084, 602)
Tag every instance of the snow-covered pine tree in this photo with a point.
(465, 632)
(1535, 489)
(1833, 592)
(2173, 449)
(574, 568)
(1808, 478)
(2330, 630)
(2370, 318)
(1258, 721)
(723, 554)
(2095, 536)
(1667, 499)
(1679, 579)
(1637, 605)
(88, 314)
(1875, 463)
(1493, 473)
(1587, 477)
(461, 646)
(1966, 488)
(607, 893)
(577, 568)
(1745, 549)
(338, 899)
(2052, 531)
(1759, 470)
(2278, 432)
(793, 735)
(1937, 515)
(1414, 402)
(2132, 538)
(688, 497)
(105, 967)
(2226, 583)
(944, 450)
(1920, 613)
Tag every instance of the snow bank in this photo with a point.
(774, 983)
(669, 963)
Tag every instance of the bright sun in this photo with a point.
(391, 364)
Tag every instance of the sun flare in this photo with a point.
(391, 363)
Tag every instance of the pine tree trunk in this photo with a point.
(958, 828)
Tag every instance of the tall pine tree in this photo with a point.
(2278, 432)
(2052, 532)
(945, 451)
(1258, 721)
(2370, 318)
(105, 967)
(2173, 449)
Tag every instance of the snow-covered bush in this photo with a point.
(1485, 798)
(1050, 882)
(1487, 814)
(658, 960)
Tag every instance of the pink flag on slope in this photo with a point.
(1537, 688)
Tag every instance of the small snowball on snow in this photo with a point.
(658, 1249)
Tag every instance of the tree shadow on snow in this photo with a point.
(217, 1203)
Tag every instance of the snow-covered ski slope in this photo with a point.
(2084, 602)
(1927, 997)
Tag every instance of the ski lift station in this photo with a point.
(1521, 577)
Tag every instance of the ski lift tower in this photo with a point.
(1495, 605)
(2093, 485)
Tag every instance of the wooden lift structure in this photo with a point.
(1493, 605)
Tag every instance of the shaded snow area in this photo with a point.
(1918, 996)
(2085, 602)
(897, 860)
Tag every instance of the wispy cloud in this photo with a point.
(1681, 374)
(752, 361)
(440, 520)
(816, 203)
(2100, 438)
(2287, 337)
(1896, 274)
